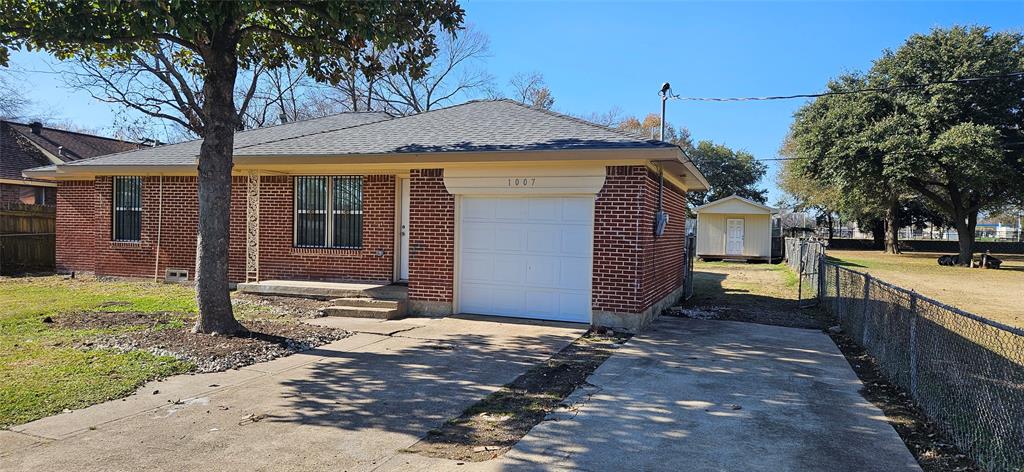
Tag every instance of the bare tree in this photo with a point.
(156, 84)
(12, 99)
(456, 72)
(611, 118)
(282, 95)
(532, 90)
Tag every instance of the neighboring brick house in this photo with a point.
(26, 146)
(489, 207)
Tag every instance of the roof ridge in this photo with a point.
(79, 133)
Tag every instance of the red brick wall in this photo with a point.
(76, 226)
(632, 268)
(662, 263)
(279, 259)
(431, 237)
(85, 232)
(617, 240)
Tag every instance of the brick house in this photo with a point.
(489, 207)
(26, 146)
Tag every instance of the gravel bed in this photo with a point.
(267, 340)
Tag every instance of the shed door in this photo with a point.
(734, 237)
(527, 257)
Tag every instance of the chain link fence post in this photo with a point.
(913, 343)
(864, 312)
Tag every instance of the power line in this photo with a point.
(849, 92)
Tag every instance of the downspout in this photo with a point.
(159, 226)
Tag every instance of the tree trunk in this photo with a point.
(965, 226)
(215, 156)
(831, 226)
(892, 243)
(878, 234)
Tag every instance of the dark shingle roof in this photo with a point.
(72, 146)
(482, 126)
(20, 147)
(187, 152)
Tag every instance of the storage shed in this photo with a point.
(734, 228)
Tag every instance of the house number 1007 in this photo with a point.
(522, 182)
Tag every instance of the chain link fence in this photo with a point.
(804, 256)
(966, 372)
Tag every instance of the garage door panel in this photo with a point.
(573, 266)
(526, 257)
(509, 268)
(541, 303)
(574, 305)
(575, 240)
(477, 267)
(545, 209)
(476, 298)
(508, 237)
(577, 210)
(544, 239)
(508, 300)
(472, 208)
(542, 271)
(510, 209)
(477, 236)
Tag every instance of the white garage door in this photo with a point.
(526, 257)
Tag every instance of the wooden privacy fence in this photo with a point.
(27, 238)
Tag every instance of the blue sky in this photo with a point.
(596, 56)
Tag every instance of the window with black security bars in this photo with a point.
(329, 212)
(127, 209)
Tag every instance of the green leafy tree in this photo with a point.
(836, 141)
(957, 144)
(216, 40)
(729, 172)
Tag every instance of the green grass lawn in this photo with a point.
(42, 373)
(994, 294)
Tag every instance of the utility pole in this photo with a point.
(665, 91)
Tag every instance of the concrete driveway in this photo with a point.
(349, 405)
(718, 396)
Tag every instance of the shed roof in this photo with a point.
(754, 206)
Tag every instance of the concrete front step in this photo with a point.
(369, 302)
(380, 313)
(324, 290)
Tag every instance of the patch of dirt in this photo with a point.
(491, 427)
(108, 320)
(793, 318)
(266, 340)
(264, 306)
(931, 447)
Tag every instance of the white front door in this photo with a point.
(403, 233)
(527, 257)
(734, 237)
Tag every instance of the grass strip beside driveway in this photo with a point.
(41, 370)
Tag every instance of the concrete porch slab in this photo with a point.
(325, 290)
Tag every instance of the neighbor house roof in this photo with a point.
(25, 146)
(730, 198)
